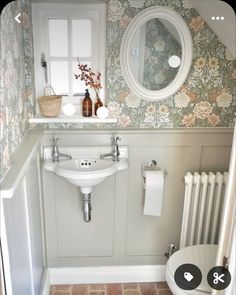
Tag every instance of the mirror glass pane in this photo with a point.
(58, 37)
(81, 37)
(154, 47)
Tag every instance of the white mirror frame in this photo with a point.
(186, 60)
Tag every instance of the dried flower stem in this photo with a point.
(91, 78)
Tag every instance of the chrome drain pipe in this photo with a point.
(87, 207)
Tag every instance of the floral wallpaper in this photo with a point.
(159, 46)
(207, 98)
(17, 101)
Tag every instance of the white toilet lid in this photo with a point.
(203, 256)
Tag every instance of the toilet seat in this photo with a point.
(203, 256)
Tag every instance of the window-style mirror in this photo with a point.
(156, 53)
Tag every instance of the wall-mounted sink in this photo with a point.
(85, 169)
(86, 172)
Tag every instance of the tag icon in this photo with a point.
(188, 276)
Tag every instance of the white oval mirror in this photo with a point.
(156, 53)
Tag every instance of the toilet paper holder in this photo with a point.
(151, 166)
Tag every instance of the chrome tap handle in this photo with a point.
(115, 139)
(56, 155)
(55, 152)
(55, 140)
(116, 152)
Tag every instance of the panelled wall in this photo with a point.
(119, 233)
(21, 221)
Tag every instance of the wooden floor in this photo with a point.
(112, 289)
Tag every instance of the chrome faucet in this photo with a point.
(56, 156)
(115, 150)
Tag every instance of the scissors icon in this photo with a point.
(218, 278)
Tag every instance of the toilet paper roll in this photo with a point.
(154, 188)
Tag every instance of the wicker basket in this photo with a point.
(50, 105)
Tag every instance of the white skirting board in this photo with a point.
(46, 283)
(106, 274)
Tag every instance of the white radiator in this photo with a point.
(203, 201)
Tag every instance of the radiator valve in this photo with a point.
(171, 250)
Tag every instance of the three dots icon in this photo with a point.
(217, 18)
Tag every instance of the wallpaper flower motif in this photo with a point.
(181, 100)
(202, 110)
(115, 11)
(132, 100)
(188, 120)
(136, 3)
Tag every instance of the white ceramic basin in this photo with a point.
(86, 173)
(86, 169)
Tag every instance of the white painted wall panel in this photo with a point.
(15, 210)
(35, 224)
(21, 207)
(119, 233)
(77, 238)
(148, 235)
(215, 158)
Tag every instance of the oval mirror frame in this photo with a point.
(186, 59)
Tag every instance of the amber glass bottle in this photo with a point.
(98, 104)
(87, 105)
